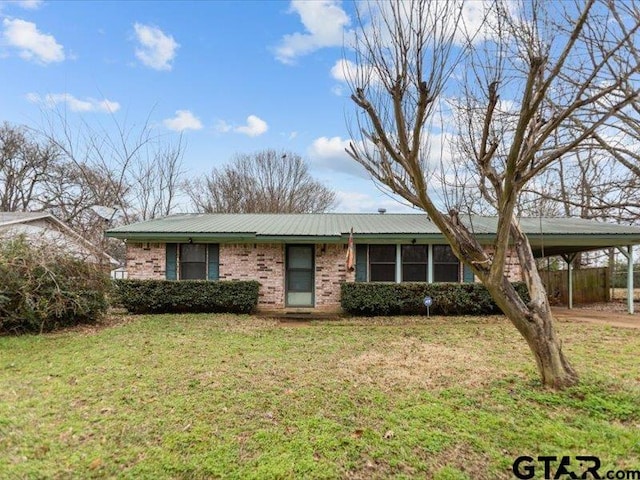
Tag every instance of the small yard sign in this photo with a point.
(427, 303)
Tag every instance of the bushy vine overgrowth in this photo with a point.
(42, 288)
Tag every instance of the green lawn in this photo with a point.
(206, 396)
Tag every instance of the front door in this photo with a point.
(300, 275)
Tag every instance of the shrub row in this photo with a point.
(186, 296)
(371, 299)
(43, 288)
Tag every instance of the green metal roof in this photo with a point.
(551, 235)
(323, 225)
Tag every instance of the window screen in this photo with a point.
(446, 266)
(382, 263)
(193, 261)
(414, 263)
(300, 268)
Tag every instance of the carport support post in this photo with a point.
(569, 259)
(628, 252)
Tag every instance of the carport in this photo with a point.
(566, 237)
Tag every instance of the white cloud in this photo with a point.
(343, 70)
(30, 4)
(348, 71)
(31, 43)
(337, 90)
(479, 19)
(50, 100)
(255, 126)
(156, 49)
(330, 154)
(329, 148)
(325, 22)
(358, 202)
(222, 126)
(184, 120)
(464, 19)
(439, 150)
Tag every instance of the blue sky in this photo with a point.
(233, 77)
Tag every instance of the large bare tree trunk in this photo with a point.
(536, 325)
(533, 319)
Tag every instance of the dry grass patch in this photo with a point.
(462, 460)
(411, 362)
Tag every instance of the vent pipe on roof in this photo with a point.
(382, 211)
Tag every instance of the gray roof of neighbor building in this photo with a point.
(20, 223)
(7, 218)
(567, 234)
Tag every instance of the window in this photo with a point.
(415, 259)
(193, 261)
(382, 263)
(414, 263)
(446, 266)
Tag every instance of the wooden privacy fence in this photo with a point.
(590, 285)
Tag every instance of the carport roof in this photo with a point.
(548, 236)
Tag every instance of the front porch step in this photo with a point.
(302, 315)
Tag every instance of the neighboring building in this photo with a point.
(41, 228)
(300, 259)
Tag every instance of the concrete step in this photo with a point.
(303, 316)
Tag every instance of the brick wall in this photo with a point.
(265, 263)
(146, 261)
(512, 264)
(261, 262)
(331, 271)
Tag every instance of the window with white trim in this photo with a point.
(193, 261)
(446, 266)
(415, 263)
(382, 263)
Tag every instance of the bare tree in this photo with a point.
(155, 181)
(587, 186)
(25, 162)
(68, 170)
(619, 134)
(123, 165)
(262, 182)
(553, 63)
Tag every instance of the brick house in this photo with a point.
(300, 259)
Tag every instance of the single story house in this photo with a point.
(44, 229)
(300, 259)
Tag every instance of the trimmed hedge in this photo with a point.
(372, 299)
(187, 296)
